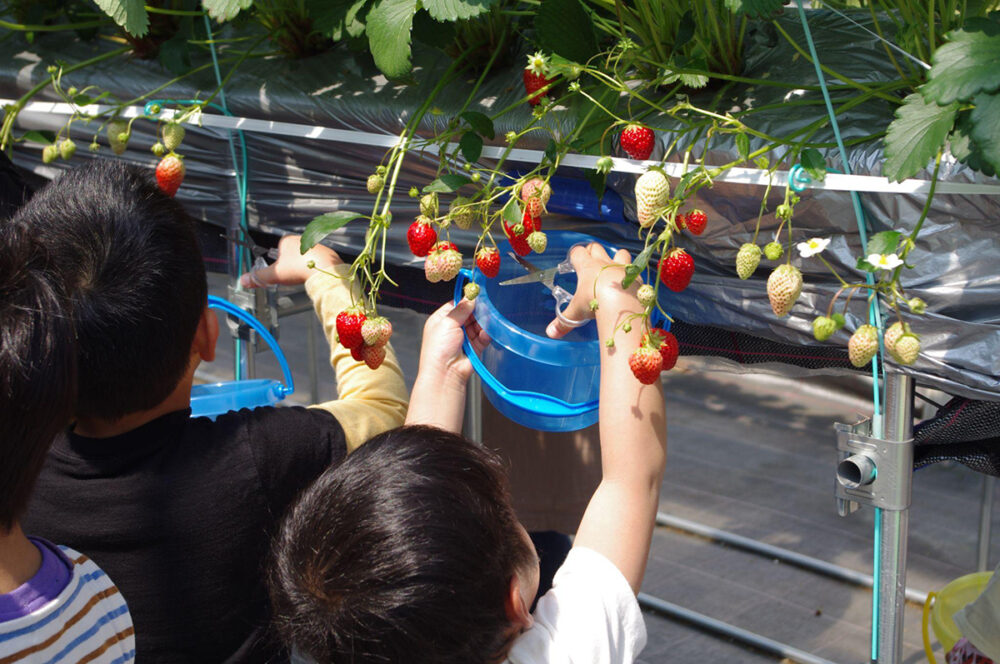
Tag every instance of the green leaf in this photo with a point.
(431, 32)
(174, 55)
(481, 123)
(323, 225)
(755, 8)
(865, 266)
(564, 27)
(986, 127)
(47, 137)
(338, 18)
(512, 212)
(743, 145)
(965, 149)
(471, 145)
(551, 151)
(598, 182)
(454, 10)
(447, 183)
(388, 28)
(129, 14)
(915, 136)
(685, 31)
(884, 242)
(638, 265)
(224, 10)
(966, 65)
(813, 164)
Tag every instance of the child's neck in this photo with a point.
(179, 399)
(19, 559)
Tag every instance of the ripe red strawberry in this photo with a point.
(356, 353)
(680, 221)
(376, 331)
(518, 235)
(170, 173)
(637, 141)
(676, 270)
(421, 236)
(696, 221)
(349, 322)
(666, 343)
(646, 364)
(532, 84)
(488, 262)
(373, 356)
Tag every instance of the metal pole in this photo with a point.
(985, 523)
(894, 531)
(473, 426)
(771, 646)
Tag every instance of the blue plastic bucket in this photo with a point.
(215, 399)
(540, 383)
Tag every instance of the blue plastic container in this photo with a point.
(541, 383)
(215, 399)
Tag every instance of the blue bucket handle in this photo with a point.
(215, 302)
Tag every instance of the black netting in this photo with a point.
(963, 430)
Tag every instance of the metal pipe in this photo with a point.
(856, 471)
(753, 639)
(985, 523)
(894, 530)
(778, 553)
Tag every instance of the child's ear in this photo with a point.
(206, 335)
(517, 606)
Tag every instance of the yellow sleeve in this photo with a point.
(370, 401)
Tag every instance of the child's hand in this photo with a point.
(593, 264)
(292, 267)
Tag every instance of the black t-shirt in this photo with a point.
(179, 513)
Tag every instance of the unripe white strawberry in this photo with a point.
(783, 288)
(907, 349)
(747, 260)
(863, 345)
(652, 191)
(429, 205)
(375, 183)
(461, 212)
(892, 335)
(173, 134)
(538, 241)
(376, 331)
(442, 263)
(646, 295)
(471, 290)
(535, 187)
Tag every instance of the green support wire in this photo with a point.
(874, 315)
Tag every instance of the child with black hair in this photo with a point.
(179, 510)
(409, 550)
(55, 604)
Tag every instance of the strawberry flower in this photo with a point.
(884, 261)
(813, 246)
(538, 63)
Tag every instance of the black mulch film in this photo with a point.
(964, 430)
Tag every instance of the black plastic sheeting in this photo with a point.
(292, 180)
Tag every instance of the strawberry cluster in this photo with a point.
(365, 337)
(656, 353)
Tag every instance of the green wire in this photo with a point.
(873, 315)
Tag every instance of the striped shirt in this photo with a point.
(88, 622)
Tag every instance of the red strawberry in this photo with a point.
(666, 343)
(676, 270)
(518, 235)
(349, 322)
(532, 83)
(373, 356)
(170, 173)
(646, 364)
(637, 141)
(421, 236)
(488, 262)
(356, 353)
(681, 221)
(696, 221)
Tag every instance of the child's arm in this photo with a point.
(619, 519)
(371, 401)
(438, 397)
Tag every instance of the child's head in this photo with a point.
(408, 551)
(37, 367)
(129, 257)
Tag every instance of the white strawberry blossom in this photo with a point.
(813, 246)
(884, 261)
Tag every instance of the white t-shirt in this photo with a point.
(590, 616)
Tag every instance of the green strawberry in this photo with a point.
(49, 154)
(118, 135)
(863, 345)
(747, 260)
(429, 205)
(917, 305)
(67, 148)
(774, 251)
(823, 328)
(892, 335)
(783, 288)
(839, 320)
(907, 349)
(462, 212)
(375, 183)
(471, 290)
(538, 241)
(173, 134)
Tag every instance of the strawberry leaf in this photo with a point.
(813, 164)
(638, 265)
(454, 10)
(564, 27)
(884, 242)
(223, 10)
(471, 145)
(323, 225)
(966, 65)
(755, 8)
(551, 151)
(986, 127)
(965, 149)
(512, 212)
(129, 14)
(434, 33)
(916, 135)
(47, 137)
(388, 28)
(338, 19)
(598, 182)
(481, 123)
(449, 182)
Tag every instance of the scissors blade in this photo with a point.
(541, 276)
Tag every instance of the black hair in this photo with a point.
(129, 258)
(402, 553)
(37, 367)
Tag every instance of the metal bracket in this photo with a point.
(872, 471)
(262, 303)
